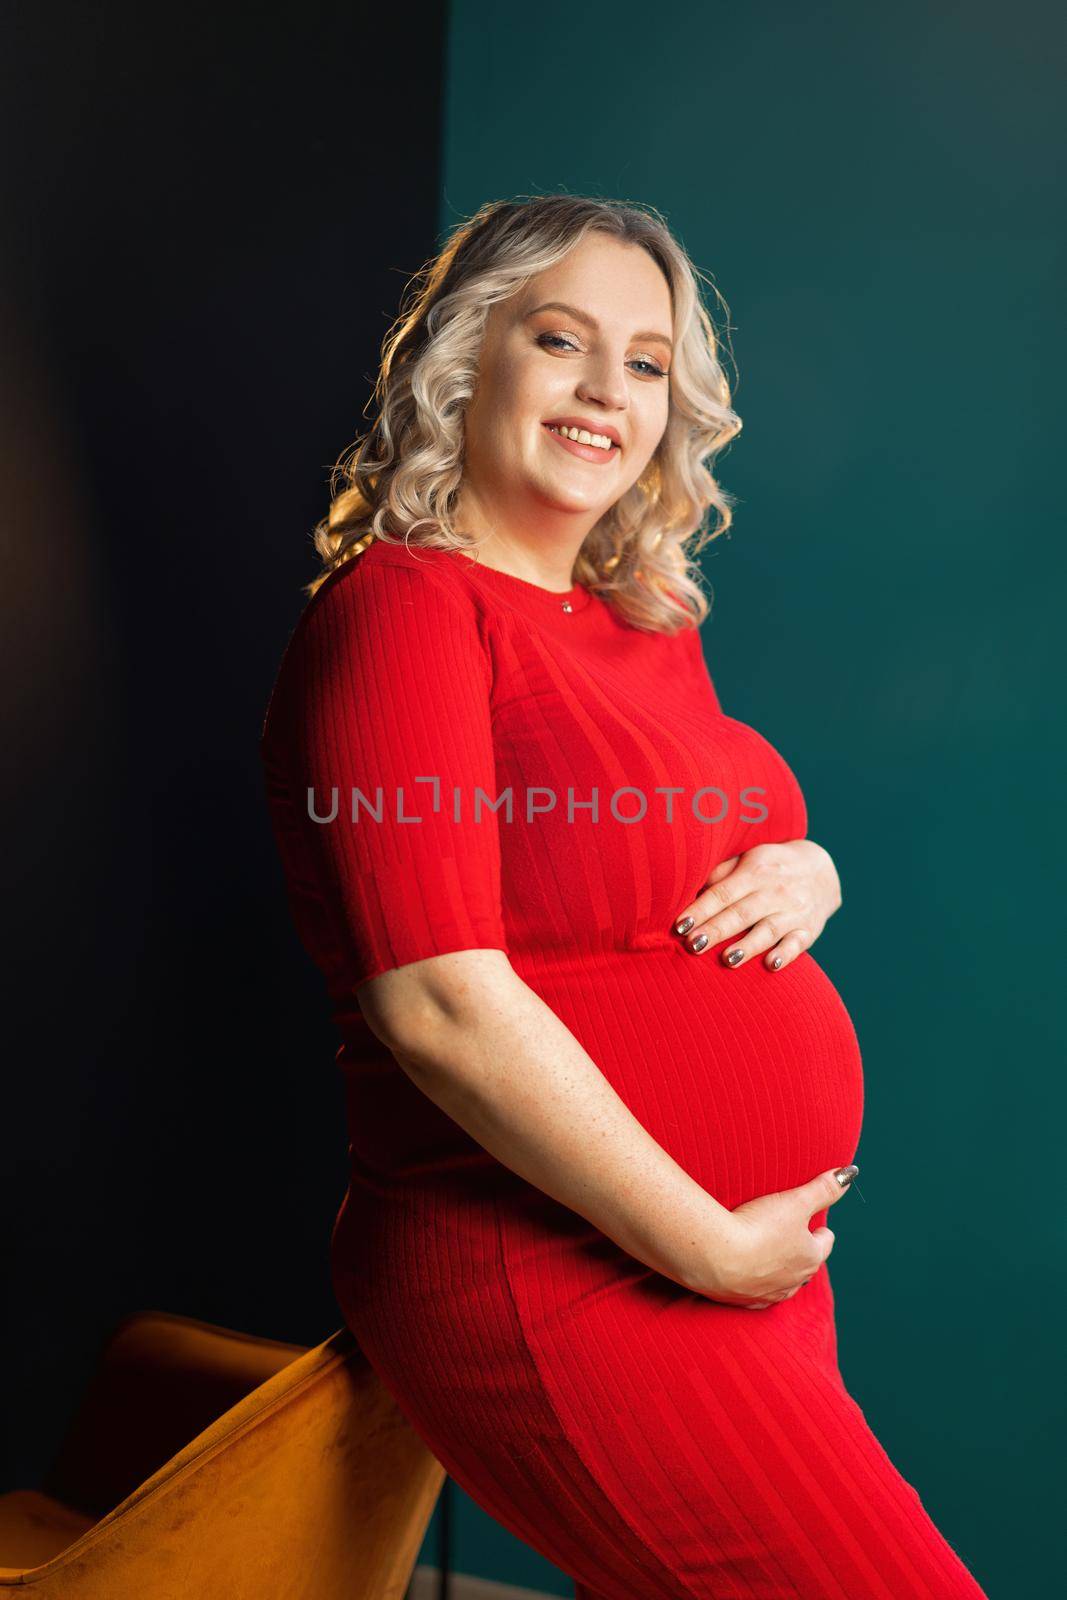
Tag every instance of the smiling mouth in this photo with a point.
(599, 451)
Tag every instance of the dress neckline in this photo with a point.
(576, 598)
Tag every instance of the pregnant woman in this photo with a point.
(592, 1159)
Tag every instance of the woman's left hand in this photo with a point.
(779, 896)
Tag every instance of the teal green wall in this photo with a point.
(875, 195)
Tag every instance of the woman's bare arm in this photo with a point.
(485, 1048)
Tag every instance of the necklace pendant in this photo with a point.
(566, 605)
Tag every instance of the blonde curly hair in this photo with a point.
(399, 482)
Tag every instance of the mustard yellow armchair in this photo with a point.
(205, 1462)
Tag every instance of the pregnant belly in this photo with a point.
(752, 1080)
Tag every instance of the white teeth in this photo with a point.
(581, 436)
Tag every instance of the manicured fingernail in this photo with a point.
(776, 963)
(699, 942)
(845, 1175)
(735, 956)
(683, 926)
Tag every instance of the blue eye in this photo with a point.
(557, 340)
(657, 372)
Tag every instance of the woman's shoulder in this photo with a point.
(384, 606)
(392, 573)
(385, 586)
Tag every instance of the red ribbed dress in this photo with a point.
(652, 1443)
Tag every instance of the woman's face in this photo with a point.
(586, 343)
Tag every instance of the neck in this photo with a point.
(543, 552)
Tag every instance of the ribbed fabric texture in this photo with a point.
(651, 1442)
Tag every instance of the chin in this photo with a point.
(559, 500)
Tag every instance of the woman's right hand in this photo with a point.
(769, 1251)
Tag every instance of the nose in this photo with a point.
(604, 384)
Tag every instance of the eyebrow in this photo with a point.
(591, 322)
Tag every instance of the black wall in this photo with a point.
(210, 216)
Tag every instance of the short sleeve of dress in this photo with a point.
(380, 721)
